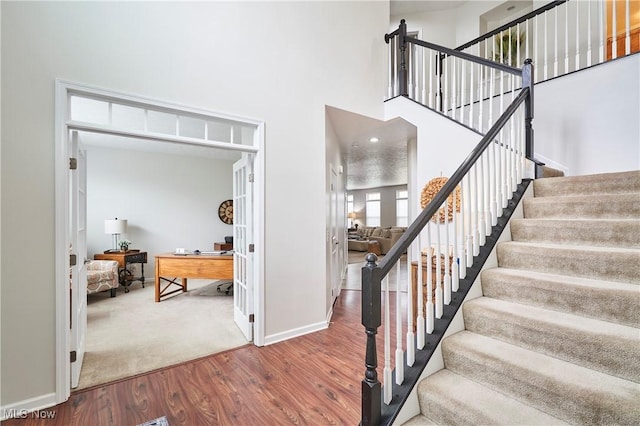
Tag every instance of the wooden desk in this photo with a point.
(414, 281)
(124, 259)
(189, 266)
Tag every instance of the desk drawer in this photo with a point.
(137, 257)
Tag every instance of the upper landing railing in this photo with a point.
(560, 37)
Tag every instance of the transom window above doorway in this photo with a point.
(121, 116)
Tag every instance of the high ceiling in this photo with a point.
(372, 164)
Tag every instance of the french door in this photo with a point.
(243, 310)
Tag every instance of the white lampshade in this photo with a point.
(115, 226)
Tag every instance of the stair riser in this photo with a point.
(610, 183)
(568, 401)
(615, 355)
(618, 306)
(597, 233)
(609, 266)
(625, 207)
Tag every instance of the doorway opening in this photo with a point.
(135, 119)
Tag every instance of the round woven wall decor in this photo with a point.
(431, 189)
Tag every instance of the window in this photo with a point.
(402, 208)
(349, 203)
(372, 209)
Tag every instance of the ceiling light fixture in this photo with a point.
(373, 139)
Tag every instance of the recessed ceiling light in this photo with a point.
(373, 139)
(510, 8)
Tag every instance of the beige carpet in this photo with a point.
(131, 334)
(555, 338)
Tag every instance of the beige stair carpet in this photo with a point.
(555, 339)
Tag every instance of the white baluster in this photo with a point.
(420, 297)
(446, 94)
(394, 42)
(387, 388)
(455, 272)
(430, 311)
(411, 343)
(399, 352)
(409, 65)
(424, 53)
(627, 39)
(486, 177)
(480, 99)
(589, 34)
(577, 67)
(555, 43)
(390, 87)
(476, 212)
(601, 24)
(614, 32)
(462, 233)
(471, 92)
(454, 94)
(535, 47)
(546, 57)
(430, 79)
(493, 183)
(447, 275)
(566, 37)
(439, 292)
(463, 89)
(438, 106)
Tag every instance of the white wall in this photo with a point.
(169, 201)
(280, 62)
(589, 121)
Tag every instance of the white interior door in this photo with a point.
(78, 238)
(336, 264)
(242, 245)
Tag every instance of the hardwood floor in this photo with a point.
(310, 380)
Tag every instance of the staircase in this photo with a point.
(556, 337)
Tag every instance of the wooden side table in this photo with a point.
(373, 246)
(125, 259)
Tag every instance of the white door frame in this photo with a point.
(63, 125)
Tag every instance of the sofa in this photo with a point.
(102, 275)
(386, 237)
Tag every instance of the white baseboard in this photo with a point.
(32, 408)
(296, 332)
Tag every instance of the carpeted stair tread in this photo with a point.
(570, 392)
(605, 300)
(616, 206)
(593, 232)
(448, 398)
(604, 183)
(603, 263)
(600, 345)
(419, 420)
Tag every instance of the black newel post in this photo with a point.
(402, 33)
(527, 81)
(371, 320)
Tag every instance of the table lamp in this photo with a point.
(115, 227)
(352, 216)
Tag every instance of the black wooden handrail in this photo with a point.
(423, 218)
(508, 25)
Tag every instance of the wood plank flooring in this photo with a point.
(310, 380)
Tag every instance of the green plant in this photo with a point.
(124, 244)
(506, 47)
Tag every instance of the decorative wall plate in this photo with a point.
(225, 212)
